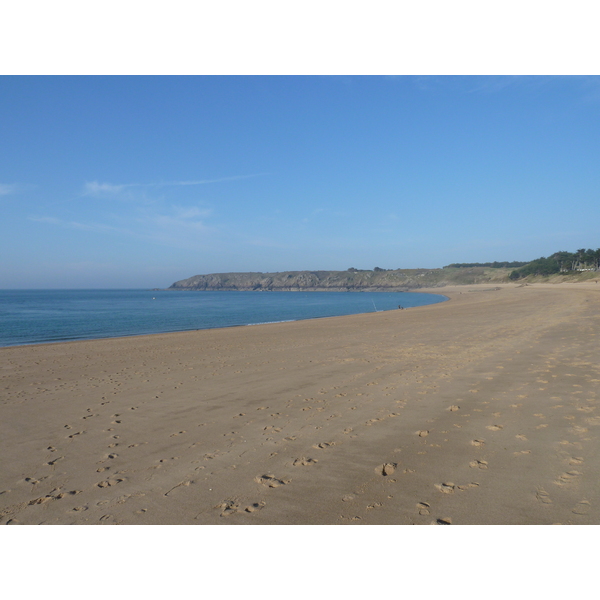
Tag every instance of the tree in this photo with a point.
(597, 259)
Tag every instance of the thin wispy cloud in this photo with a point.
(175, 226)
(97, 227)
(178, 221)
(51, 220)
(496, 83)
(192, 212)
(476, 84)
(96, 188)
(528, 83)
(203, 181)
(6, 189)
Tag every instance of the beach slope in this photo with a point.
(479, 410)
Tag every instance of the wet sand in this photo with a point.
(479, 410)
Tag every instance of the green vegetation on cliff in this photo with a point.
(493, 265)
(560, 262)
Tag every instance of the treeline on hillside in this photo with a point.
(493, 265)
(560, 262)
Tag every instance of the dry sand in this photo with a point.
(479, 410)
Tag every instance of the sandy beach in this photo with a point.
(479, 410)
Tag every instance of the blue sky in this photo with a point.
(142, 181)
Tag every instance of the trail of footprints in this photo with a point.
(269, 480)
(57, 494)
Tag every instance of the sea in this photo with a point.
(48, 316)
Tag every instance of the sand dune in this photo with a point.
(479, 410)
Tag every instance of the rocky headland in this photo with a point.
(351, 280)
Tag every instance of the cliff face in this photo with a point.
(379, 280)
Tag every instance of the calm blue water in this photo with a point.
(41, 316)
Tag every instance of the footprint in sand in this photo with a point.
(477, 443)
(53, 496)
(254, 507)
(543, 496)
(323, 445)
(105, 517)
(271, 481)
(567, 478)
(109, 483)
(41, 500)
(445, 488)
(478, 464)
(228, 507)
(454, 408)
(494, 427)
(582, 508)
(462, 488)
(423, 508)
(576, 460)
(185, 483)
(386, 469)
(423, 433)
(579, 430)
(304, 462)
(520, 436)
(444, 521)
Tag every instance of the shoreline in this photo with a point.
(66, 341)
(481, 410)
